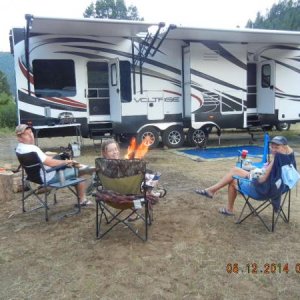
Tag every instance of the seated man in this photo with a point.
(26, 145)
(259, 189)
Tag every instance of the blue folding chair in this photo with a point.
(273, 192)
(34, 172)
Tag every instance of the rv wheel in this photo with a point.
(283, 126)
(197, 137)
(150, 135)
(173, 137)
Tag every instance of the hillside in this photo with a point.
(7, 67)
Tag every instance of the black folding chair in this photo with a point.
(122, 196)
(34, 172)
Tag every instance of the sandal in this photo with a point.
(133, 219)
(204, 193)
(160, 193)
(224, 211)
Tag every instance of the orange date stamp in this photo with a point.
(267, 268)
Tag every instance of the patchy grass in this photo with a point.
(190, 244)
(6, 132)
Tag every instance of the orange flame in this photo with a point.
(139, 151)
(131, 149)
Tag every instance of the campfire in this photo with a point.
(137, 151)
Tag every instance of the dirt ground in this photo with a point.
(189, 247)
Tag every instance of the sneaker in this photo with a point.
(159, 193)
(85, 203)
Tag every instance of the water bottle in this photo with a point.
(61, 174)
(156, 176)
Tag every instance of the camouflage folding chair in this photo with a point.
(121, 196)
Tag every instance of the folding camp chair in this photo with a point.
(34, 172)
(273, 193)
(121, 196)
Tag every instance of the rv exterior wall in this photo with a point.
(186, 85)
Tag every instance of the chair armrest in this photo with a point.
(241, 178)
(56, 168)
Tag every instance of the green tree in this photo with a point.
(282, 16)
(112, 9)
(4, 86)
(7, 106)
(5, 95)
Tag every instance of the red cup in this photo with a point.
(244, 154)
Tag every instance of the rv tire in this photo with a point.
(197, 137)
(152, 134)
(283, 126)
(173, 137)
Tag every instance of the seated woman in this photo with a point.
(110, 150)
(278, 144)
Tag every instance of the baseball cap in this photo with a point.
(21, 128)
(279, 140)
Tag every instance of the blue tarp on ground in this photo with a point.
(224, 152)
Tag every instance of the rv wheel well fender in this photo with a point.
(209, 127)
(173, 136)
(149, 135)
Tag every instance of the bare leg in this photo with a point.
(81, 190)
(227, 180)
(232, 193)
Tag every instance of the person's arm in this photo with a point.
(267, 173)
(51, 162)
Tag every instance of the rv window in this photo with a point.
(266, 76)
(97, 79)
(54, 78)
(114, 74)
(125, 76)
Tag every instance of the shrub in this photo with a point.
(8, 115)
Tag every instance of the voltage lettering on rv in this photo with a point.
(156, 99)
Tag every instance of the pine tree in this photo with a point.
(112, 9)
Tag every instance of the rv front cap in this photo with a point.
(21, 128)
(279, 140)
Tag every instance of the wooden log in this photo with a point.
(17, 182)
(6, 192)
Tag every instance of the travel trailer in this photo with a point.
(167, 83)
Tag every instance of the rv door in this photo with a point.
(114, 91)
(266, 87)
(98, 91)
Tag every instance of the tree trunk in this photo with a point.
(6, 182)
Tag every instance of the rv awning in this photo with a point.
(96, 27)
(123, 28)
(235, 35)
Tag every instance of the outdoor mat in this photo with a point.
(222, 152)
